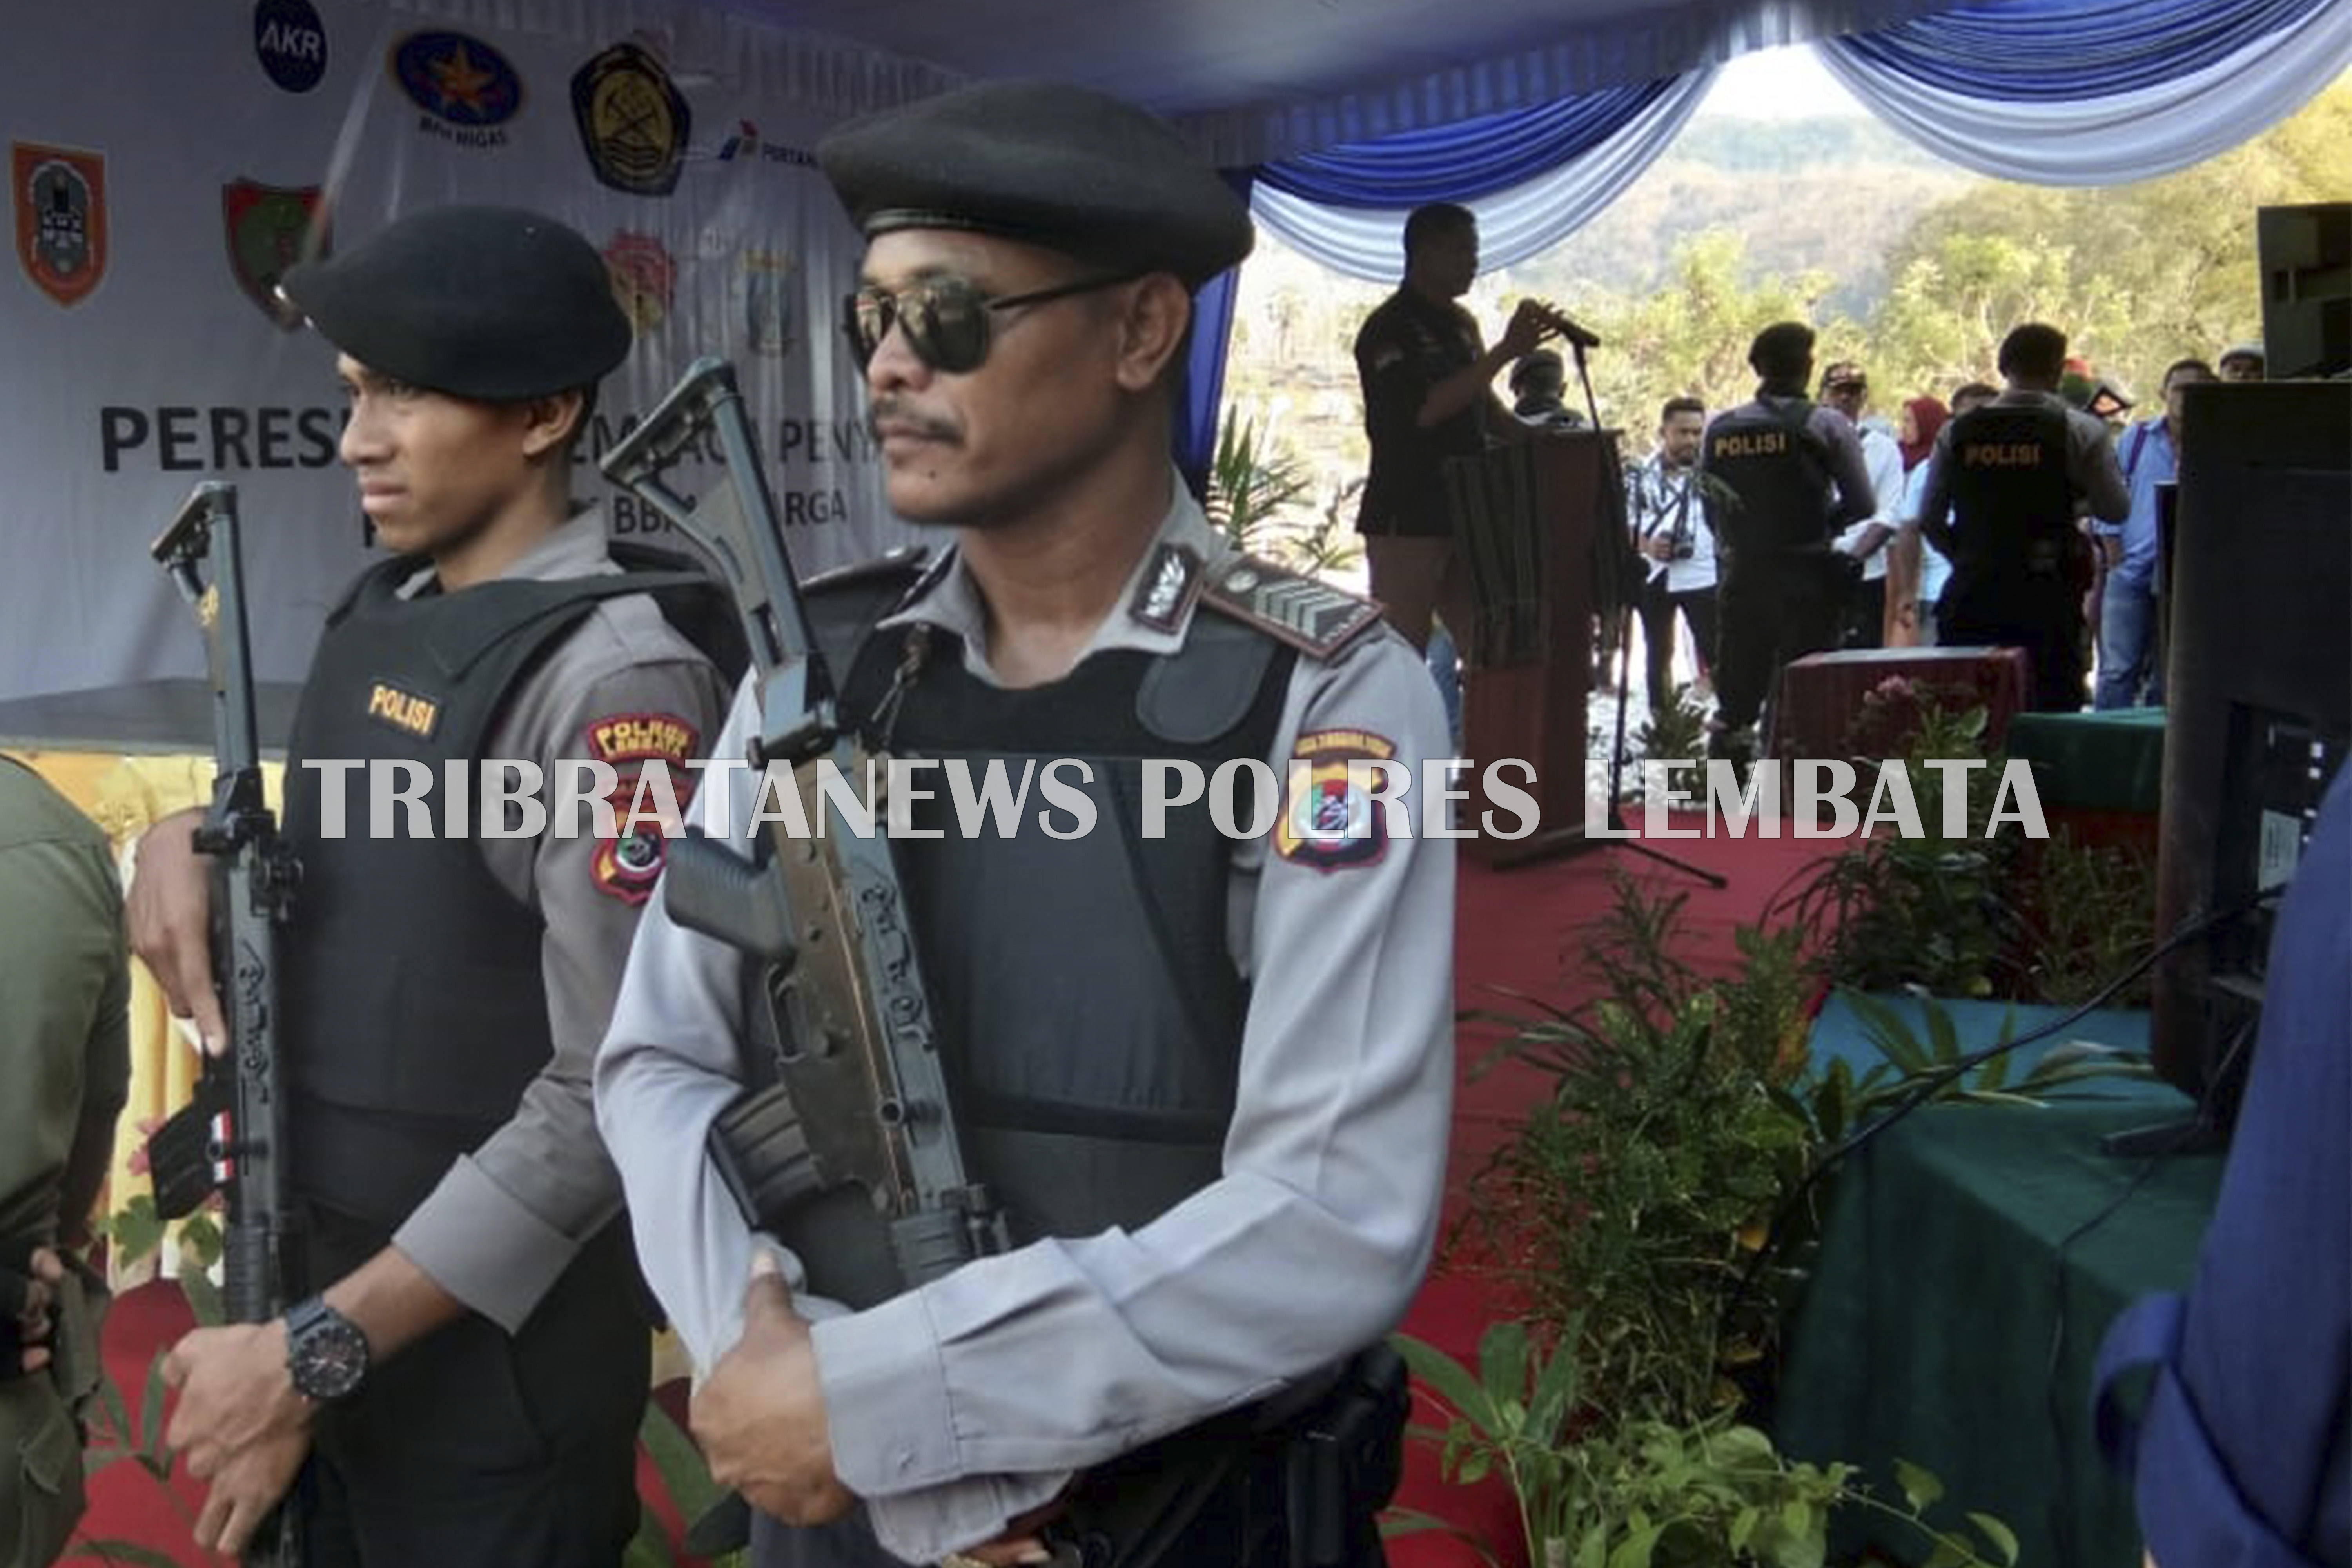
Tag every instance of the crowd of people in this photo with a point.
(1808, 519)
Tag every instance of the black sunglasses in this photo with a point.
(946, 320)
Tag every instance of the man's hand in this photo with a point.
(238, 1406)
(760, 1417)
(1658, 547)
(42, 1272)
(1529, 325)
(170, 914)
(246, 1488)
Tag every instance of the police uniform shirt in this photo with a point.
(1840, 446)
(2091, 468)
(1405, 347)
(1655, 497)
(507, 1219)
(1883, 459)
(957, 1406)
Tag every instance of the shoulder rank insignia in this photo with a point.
(1290, 606)
(906, 562)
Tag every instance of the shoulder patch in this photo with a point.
(1305, 612)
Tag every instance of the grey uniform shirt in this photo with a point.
(957, 1406)
(507, 1219)
(2091, 467)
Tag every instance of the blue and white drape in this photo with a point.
(2094, 92)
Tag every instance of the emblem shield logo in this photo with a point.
(632, 122)
(269, 228)
(60, 201)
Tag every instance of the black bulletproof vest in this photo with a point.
(1776, 468)
(415, 1009)
(2011, 502)
(1089, 1015)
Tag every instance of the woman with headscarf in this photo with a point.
(1914, 570)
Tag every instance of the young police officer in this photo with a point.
(1207, 1076)
(473, 1365)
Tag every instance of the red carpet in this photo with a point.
(1515, 929)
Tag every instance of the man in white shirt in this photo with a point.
(1667, 516)
(1846, 388)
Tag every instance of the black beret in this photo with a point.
(493, 303)
(1060, 166)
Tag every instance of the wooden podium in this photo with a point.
(1537, 524)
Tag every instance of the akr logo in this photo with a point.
(291, 42)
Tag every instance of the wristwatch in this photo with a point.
(326, 1353)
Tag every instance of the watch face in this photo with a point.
(330, 1358)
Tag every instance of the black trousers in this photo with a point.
(473, 1448)
(1865, 615)
(2042, 614)
(1659, 608)
(1774, 607)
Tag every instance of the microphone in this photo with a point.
(1582, 336)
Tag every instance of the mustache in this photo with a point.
(895, 413)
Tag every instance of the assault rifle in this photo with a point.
(858, 1097)
(231, 1137)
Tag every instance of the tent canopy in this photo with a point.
(1258, 80)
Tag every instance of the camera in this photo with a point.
(1683, 550)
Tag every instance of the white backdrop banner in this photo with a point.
(167, 160)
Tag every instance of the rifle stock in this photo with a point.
(860, 1097)
(232, 1137)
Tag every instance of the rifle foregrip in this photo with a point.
(719, 894)
(248, 1273)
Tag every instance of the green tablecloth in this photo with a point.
(1972, 1258)
(2098, 762)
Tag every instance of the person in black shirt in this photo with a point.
(1428, 380)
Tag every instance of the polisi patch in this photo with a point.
(632, 122)
(291, 42)
(626, 866)
(642, 737)
(459, 79)
(59, 195)
(269, 228)
(1327, 820)
(405, 711)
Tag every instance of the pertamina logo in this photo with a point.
(644, 278)
(269, 229)
(404, 710)
(633, 122)
(291, 42)
(60, 200)
(464, 87)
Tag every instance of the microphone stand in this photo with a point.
(1624, 686)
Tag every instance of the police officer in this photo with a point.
(1207, 1075)
(1538, 389)
(472, 1365)
(65, 1055)
(2006, 485)
(1788, 476)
